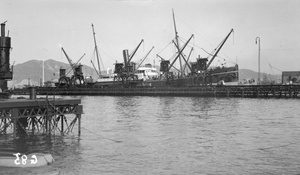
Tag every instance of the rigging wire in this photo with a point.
(198, 47)
(165, 47)
(194, 30)
(103, 51)
(279, 146)
(211, 54)
(117, 141)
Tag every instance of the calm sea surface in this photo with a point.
(173, 135)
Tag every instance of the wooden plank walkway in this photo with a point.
(249, 91)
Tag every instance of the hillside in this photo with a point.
(32, 71)
(249, 74)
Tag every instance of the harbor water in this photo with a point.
(172, 135)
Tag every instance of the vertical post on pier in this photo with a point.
(14, 114)
(49, 123)
(280, 93)
(15, 127)
(46, 123)
(32, 124)
(5, 125)
(79, 111)
(79, 124)
(62, 124)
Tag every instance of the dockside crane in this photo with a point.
(125, 72)
(77, 78)
(128, 65)
(200, 68)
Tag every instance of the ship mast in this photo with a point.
(97, 53)
(177, 43)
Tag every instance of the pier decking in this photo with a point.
(246, 91)
(47, 115)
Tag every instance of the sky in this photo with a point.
(39, 28)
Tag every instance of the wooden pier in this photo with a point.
(48, 115)
(247, 91)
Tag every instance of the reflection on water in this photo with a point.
(174, 135)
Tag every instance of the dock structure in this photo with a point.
(246, 91)
(32, 116)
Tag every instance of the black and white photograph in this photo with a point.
(209, 87)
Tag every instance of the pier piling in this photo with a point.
(39, 115)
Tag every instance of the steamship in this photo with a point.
(128, 74)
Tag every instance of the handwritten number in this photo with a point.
(35, 159)
(17, 161)
(24, 158)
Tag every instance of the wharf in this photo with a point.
(243, 91)
(44, 115)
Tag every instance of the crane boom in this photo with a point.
(180, 52)
(219, 48)
(145, 57)
(133, 53)
(74, 65)
(275, 68)
(80, 59)
(69, 60)
(95, 68)
(188, 59)
(96, 50)
(164, 60)
(186, 62)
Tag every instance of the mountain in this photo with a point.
(32, 71)
(247, 74)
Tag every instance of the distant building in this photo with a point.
(290, 77)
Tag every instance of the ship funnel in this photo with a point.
(125, 56)
(3, 29)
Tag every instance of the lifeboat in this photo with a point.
(9, 159)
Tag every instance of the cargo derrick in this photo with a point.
(143, 59)
(200, 69)
(181, 80)
(165, 65)
(6, 72)
(125, 72)
(97, 54)
(76, 79)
